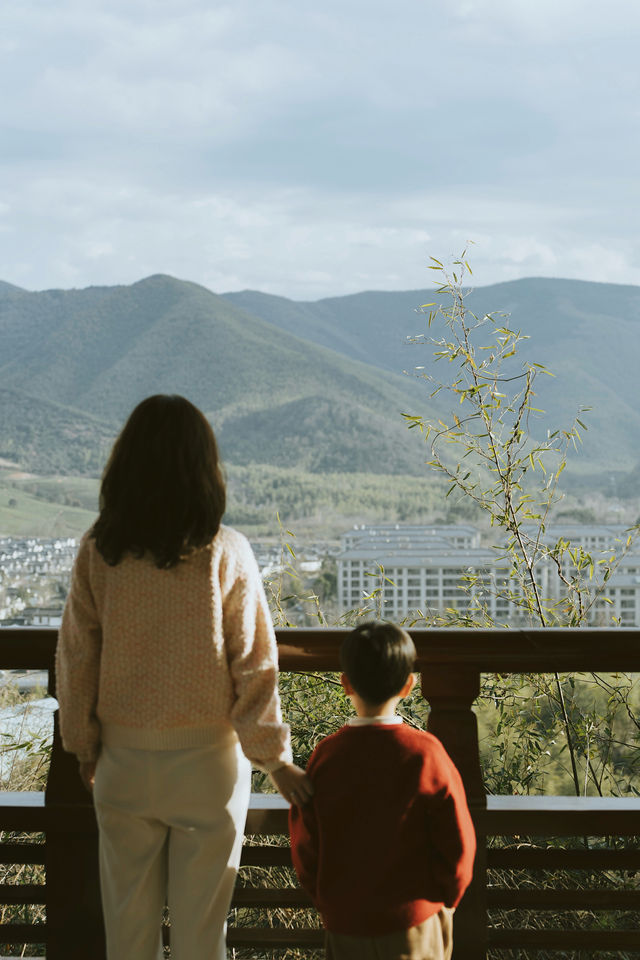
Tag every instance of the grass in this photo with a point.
(24, 514)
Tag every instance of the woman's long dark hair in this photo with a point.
(162, 490)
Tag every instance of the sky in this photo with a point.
(318, 149)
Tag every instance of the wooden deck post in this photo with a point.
(451, 693)
(75, 929)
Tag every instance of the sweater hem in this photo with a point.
(382, 924)
(174, 738)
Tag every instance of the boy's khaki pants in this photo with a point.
(431, 940)
(171, 825)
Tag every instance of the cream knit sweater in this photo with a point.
(165, 659)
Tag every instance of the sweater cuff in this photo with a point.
(271, 765)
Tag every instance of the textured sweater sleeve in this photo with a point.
(253, 663)
(78, 664)
(452, 835)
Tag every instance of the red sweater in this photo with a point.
(387, 838)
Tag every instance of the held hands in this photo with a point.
(293, 783)
(87, 774)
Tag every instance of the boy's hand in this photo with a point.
(87, 774)
(293, 783)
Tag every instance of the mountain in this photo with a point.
(8, 290)
(317, 386)
(587, 334)
(272, 397)
(371, 327)
(50, 438)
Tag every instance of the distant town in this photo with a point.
(396, 571)
(34, 580)
(35, 574)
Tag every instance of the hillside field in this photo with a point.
(318, 506)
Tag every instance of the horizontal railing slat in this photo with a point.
(23, 933)
(268, 814)
(22, 893)
(293, 898)
(22, 811)
(528, 858)
(551, 822)
(557, 899)
(27, 648)
(589, 940)
(504, 816)
(550, 815)
(23, 853)
(265, 856)
(27, 799)
(270, 937)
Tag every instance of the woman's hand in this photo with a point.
(293, 783)
(87, 774)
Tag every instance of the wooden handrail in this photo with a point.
(488, 651)
(562, 649)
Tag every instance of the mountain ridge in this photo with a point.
(309, 383)
(584, 332)
(102, 350)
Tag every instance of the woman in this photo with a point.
(167, 684)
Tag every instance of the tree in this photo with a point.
(490, 458)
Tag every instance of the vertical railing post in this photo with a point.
(75, 929)
(451, 692)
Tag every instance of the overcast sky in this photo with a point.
(317, 148)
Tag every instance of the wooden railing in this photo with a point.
(450, 662)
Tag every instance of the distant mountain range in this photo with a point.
(272, 397)
(319, 386)
(587, 334)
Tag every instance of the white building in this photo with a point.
(415, 567)
(619, 596)
(432, 569)
(464, 535)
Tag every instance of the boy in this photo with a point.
(385, 847)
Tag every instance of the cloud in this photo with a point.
(548, 21)
(293, 242)
(82, 68)
(317, 149)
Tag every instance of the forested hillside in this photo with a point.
(313, 386)
(587, 334)
(48, 437)
(272, 397)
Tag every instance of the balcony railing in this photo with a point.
(450, 662)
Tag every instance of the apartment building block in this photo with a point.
(407, 570)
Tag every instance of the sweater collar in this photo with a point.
(368, 721)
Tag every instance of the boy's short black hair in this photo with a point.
(377, 659)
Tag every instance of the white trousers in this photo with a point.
(171, 824)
